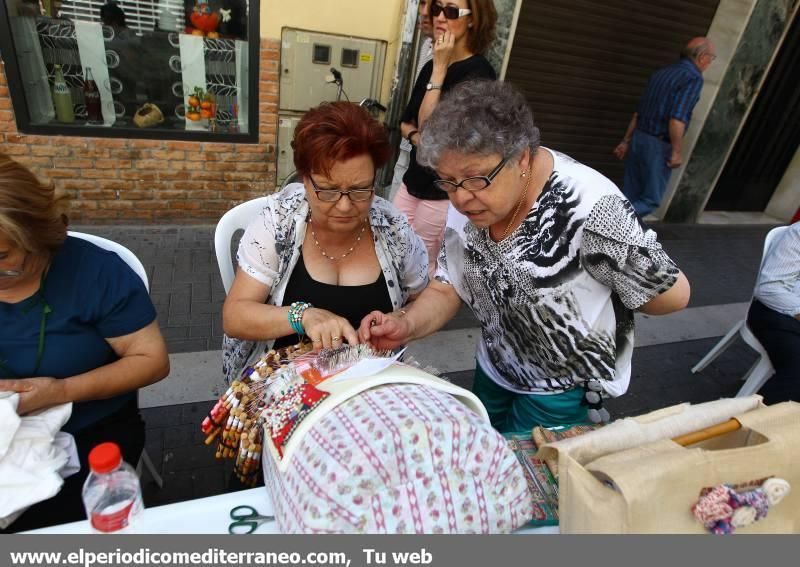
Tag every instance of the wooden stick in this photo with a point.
(708, 433)
(213, 435)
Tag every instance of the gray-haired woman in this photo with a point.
(549, 255)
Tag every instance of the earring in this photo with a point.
(524, 173)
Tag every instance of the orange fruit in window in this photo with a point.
(194, 102)
(193, 116)
(206, 105)
(205, 113)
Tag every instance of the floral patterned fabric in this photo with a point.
(400, 459)
(270, 249)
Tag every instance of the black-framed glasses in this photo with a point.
(333, 195)
(450, 12)
(471, 184)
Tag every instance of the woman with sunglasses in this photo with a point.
(76, 325)
(325, 252)
(463, 31)
(549, 255)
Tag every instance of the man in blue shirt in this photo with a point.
(652, 142)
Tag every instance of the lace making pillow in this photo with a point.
(400, 458)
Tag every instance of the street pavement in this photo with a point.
(720, 262)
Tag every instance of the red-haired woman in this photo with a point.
(324, 253)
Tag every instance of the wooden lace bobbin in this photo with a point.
(241, 458)
(221, 445)
(236, 433)
(219, 413)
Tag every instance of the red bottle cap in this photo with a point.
(105, 457)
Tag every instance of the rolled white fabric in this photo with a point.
(30, 461)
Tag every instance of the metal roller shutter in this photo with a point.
(583, 64)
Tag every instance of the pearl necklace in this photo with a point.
(346, 254)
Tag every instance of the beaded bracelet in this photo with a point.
(296, 310)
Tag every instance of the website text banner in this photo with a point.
(393, 551)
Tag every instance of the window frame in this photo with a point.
(22, 113)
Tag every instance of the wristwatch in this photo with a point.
(432, 86)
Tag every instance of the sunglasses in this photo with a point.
(450, 12)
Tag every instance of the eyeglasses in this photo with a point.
(450, 12)
(333, 195)
(471, 184)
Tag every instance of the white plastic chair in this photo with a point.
(238, 218)
(762, 370)
(145, 462)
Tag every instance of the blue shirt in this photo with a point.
(778, 285)
(93, 295)
(671, 92)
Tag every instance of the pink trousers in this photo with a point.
(427, 218)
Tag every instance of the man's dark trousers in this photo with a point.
(646, 172)
(780, 336)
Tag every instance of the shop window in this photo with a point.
(133, 68)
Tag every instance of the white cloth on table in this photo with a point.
(33, 453)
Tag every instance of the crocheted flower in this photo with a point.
(722, 509)
(775, 489)
(713, 506)
(743, 516)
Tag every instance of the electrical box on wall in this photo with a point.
(306, 61)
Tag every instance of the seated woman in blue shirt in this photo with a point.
(76, 325)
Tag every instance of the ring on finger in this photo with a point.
(334, 339)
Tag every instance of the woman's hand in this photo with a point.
(35, 393)
(621, 150)
(326, 329)
(443, 49)
(385, 331)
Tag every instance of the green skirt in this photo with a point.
(512, 412)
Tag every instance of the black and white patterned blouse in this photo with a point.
(271, 246)
(555, 298)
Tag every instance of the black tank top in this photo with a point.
(353, 302)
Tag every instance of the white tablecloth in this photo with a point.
(209, 515)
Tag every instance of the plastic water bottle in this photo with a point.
(112, 494)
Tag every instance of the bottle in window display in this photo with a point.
(62, 99)
(91, 94)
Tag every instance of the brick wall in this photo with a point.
(112, 179)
